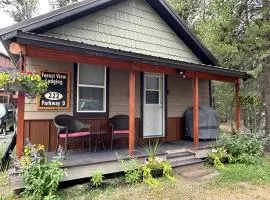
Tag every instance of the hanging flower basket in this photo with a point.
(31, 84)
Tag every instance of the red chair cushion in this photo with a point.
(74, 135)
(120, 131)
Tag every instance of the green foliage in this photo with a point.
(41, 179)
(4, 180)
(31, 84)
(155, 165)
(31, 154)
(259, 173)
(243, 148)
(55, 4)
(219, 156)
(20, 10)
(132, 171)
(96, 178)
(151, 149)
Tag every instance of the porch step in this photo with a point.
(184, 165)
(179, 156)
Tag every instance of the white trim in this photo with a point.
(145, 89)
(92, 86)
(161, 101)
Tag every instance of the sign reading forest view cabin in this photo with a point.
(57, 96)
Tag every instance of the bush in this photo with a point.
(42, 179)
(132, 170)
(243, 148)
(219, 156)
(96, 178)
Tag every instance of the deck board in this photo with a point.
(85, 157)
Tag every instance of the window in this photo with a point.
(152, 90)
(91, 89)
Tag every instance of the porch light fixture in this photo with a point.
(182, 73)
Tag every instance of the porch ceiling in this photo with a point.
(37, 40)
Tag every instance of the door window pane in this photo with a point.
(91, 99)
(152, 83)
(91, 75)
(152, 97)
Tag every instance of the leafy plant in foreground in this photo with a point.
(219, 156)
(132, 171)
(97, 178)
(243, 148)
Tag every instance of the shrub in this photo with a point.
(132, 171)
(96, 178)
(243, 148)
(41, 179)
(219, 156)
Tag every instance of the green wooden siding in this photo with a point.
(130, 26)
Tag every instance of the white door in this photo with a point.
(153, 108)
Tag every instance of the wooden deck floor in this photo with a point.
(85, 157)
(79, 164)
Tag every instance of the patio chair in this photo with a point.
(119, 127)
(71, 129)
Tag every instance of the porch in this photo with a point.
(181, 154)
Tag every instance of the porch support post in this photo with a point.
(196, 110)
(238, 107)
(132, 80)
(21, 104)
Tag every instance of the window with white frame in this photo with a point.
(91, 88)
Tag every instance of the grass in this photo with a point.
(4, 181)
(233, 173)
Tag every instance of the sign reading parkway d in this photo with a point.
(57, 96)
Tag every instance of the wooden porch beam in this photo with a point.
(196, 110)
(238, 107)
(132, 88)
(21, 102)
(208, 76)
(52, 54)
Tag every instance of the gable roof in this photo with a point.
(75, 11)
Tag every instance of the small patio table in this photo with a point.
(98, 137)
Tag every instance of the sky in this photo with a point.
(6, 20)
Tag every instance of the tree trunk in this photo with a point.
(267, 106)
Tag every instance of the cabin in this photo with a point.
(114, 57)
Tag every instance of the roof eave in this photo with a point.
(66, 45)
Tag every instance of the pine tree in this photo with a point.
(20, 10)
(55, 4)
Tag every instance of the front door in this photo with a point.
(153, 108)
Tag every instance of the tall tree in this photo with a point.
(189, 10)
(238, 33)
(55, 4)
(20, 10)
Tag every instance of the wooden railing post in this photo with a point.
(196, 110)
(132, 80)
(238, 107)
(20, 114)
